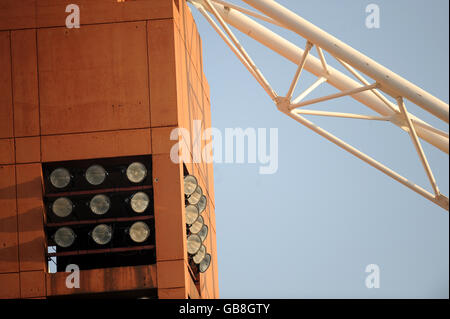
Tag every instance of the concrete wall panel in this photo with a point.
(169, 207)
(10, 287)
(6, 109)
(162, 71)
(9, 251)
(25, 83)
(30, 217)
(95, 145)
(51, 13)
(7, 152)
(32, 284)
(104, 280)
(93, 78)
(28, 149)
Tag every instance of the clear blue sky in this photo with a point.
(309, 230)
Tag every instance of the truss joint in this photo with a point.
(442, 201)
(283, 103)
(399, 120)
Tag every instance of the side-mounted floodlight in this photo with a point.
(191, 213)
(203, 232)
(198, 257)
(194, 243)
(195, 197)
(204, 264)
(197, 225)
(202, 204)
(190, 184)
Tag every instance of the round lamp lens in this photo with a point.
(102, 234)
(139, 202)
(64, 237)
(197, 226)
(60, 178)
(139, 232)
(62, 207)
(193, 244)
(204, 264)
(100, 204)
(95, 175)
(202, 204)
(191, 214)
(195, 196)
(198, 257)
(203, 232)
(136, 172)
(190, 184)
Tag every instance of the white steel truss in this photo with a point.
(368, 94)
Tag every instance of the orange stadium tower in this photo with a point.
(91, 203)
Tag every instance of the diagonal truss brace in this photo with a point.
(367, 94)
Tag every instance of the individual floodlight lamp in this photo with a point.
(204, 264)
(194, 243)
(139, 202)
(195, 197)
(136, 172)
(198, 257)
(203, 232)
(64, 237)
(60, 177)
(102, 234)
(100, 204)
(62, 207)
(197, 225)
(191, 212)
(202, 204)
(95, 175)
(139, 232)
(190, 184)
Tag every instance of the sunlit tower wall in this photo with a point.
(107, 93)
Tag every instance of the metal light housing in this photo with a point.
(190, 184)
(197, 225)
(195, 197)
(194, 243)
(191, 213)
(202, 204)
(198, 257)
(203, 232)
(204, 264)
